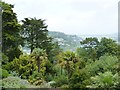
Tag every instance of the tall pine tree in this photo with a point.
(35, 34)
(10, 31)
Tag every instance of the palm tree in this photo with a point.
(69, 57)
(39, 55)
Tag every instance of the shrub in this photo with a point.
(36, 78)
(3, 73)
(104, 80)
(60, 80)
(15, 82)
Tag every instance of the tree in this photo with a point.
(70, 58)
(34, 31)
(78, 79)
(105, 63)
(23, 66)
(104, 80)
(10, 32)
(107, 45)
(81, 76)
(54, 52)
(39, 55)
(89, 45)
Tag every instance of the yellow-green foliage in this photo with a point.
(104, 80)
(3, 73)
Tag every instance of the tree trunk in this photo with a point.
(68, 69)
(38, 65)
(31, 48)
(61, 70)
(32, 41)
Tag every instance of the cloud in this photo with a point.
(71, 16)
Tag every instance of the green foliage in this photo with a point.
(105, 63)
(86, 54)
(60, 80)
(90, 43)
(70, 59)
(88, 48)
(94, 64)
(81, 77)
(23, 65)
(69, 56)
(80, 64)
(35, 77)
(14, 82)
(59, 70)
(109, 62)
(104, 80)
(49, 71)
(5, 59)
(10, 32)
(93, 49)
(37, 52)
(3, 73)
(81, 53)
(48, 77)
(77, 79)
(54, 52)
(39, 55)
(34, 31)
(107, 46)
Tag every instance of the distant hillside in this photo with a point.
(71, 42)
(66, 42)
(113, 36)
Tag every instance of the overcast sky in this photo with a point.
(71, 16)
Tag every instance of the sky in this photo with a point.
(71, 16)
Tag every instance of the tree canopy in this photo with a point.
(11, 38)
(94, 64)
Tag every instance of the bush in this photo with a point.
(104, 80)
(5, 59)
(35, 77)
(3, 73)
(14, 82)
(60, 80)
(65, 86)
(78, 79)
(105, 63)
(48, 77)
